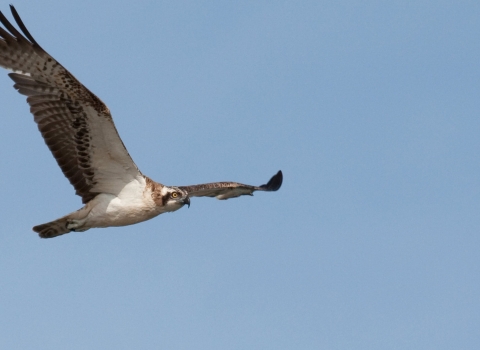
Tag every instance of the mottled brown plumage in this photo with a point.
(155, 190)
(226, 190)
(63, 109)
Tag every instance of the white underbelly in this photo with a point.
(109, 210)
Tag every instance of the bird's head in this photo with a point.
(174, 198)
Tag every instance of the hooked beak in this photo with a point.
(187, 201)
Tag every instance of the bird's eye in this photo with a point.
(174, 195)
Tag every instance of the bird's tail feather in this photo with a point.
(53, 228)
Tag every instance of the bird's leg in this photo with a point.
(76, 225)
(77, 220)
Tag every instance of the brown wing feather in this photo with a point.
(226, 190)
(75, 124)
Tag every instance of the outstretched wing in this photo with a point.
(76, 125)
(226, 190)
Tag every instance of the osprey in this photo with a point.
(79, 131)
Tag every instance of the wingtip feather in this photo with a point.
(274, 183)
(22, 26)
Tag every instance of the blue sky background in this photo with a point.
(371, 109)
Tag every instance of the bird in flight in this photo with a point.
(79, 131)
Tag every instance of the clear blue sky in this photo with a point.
(371, 109)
